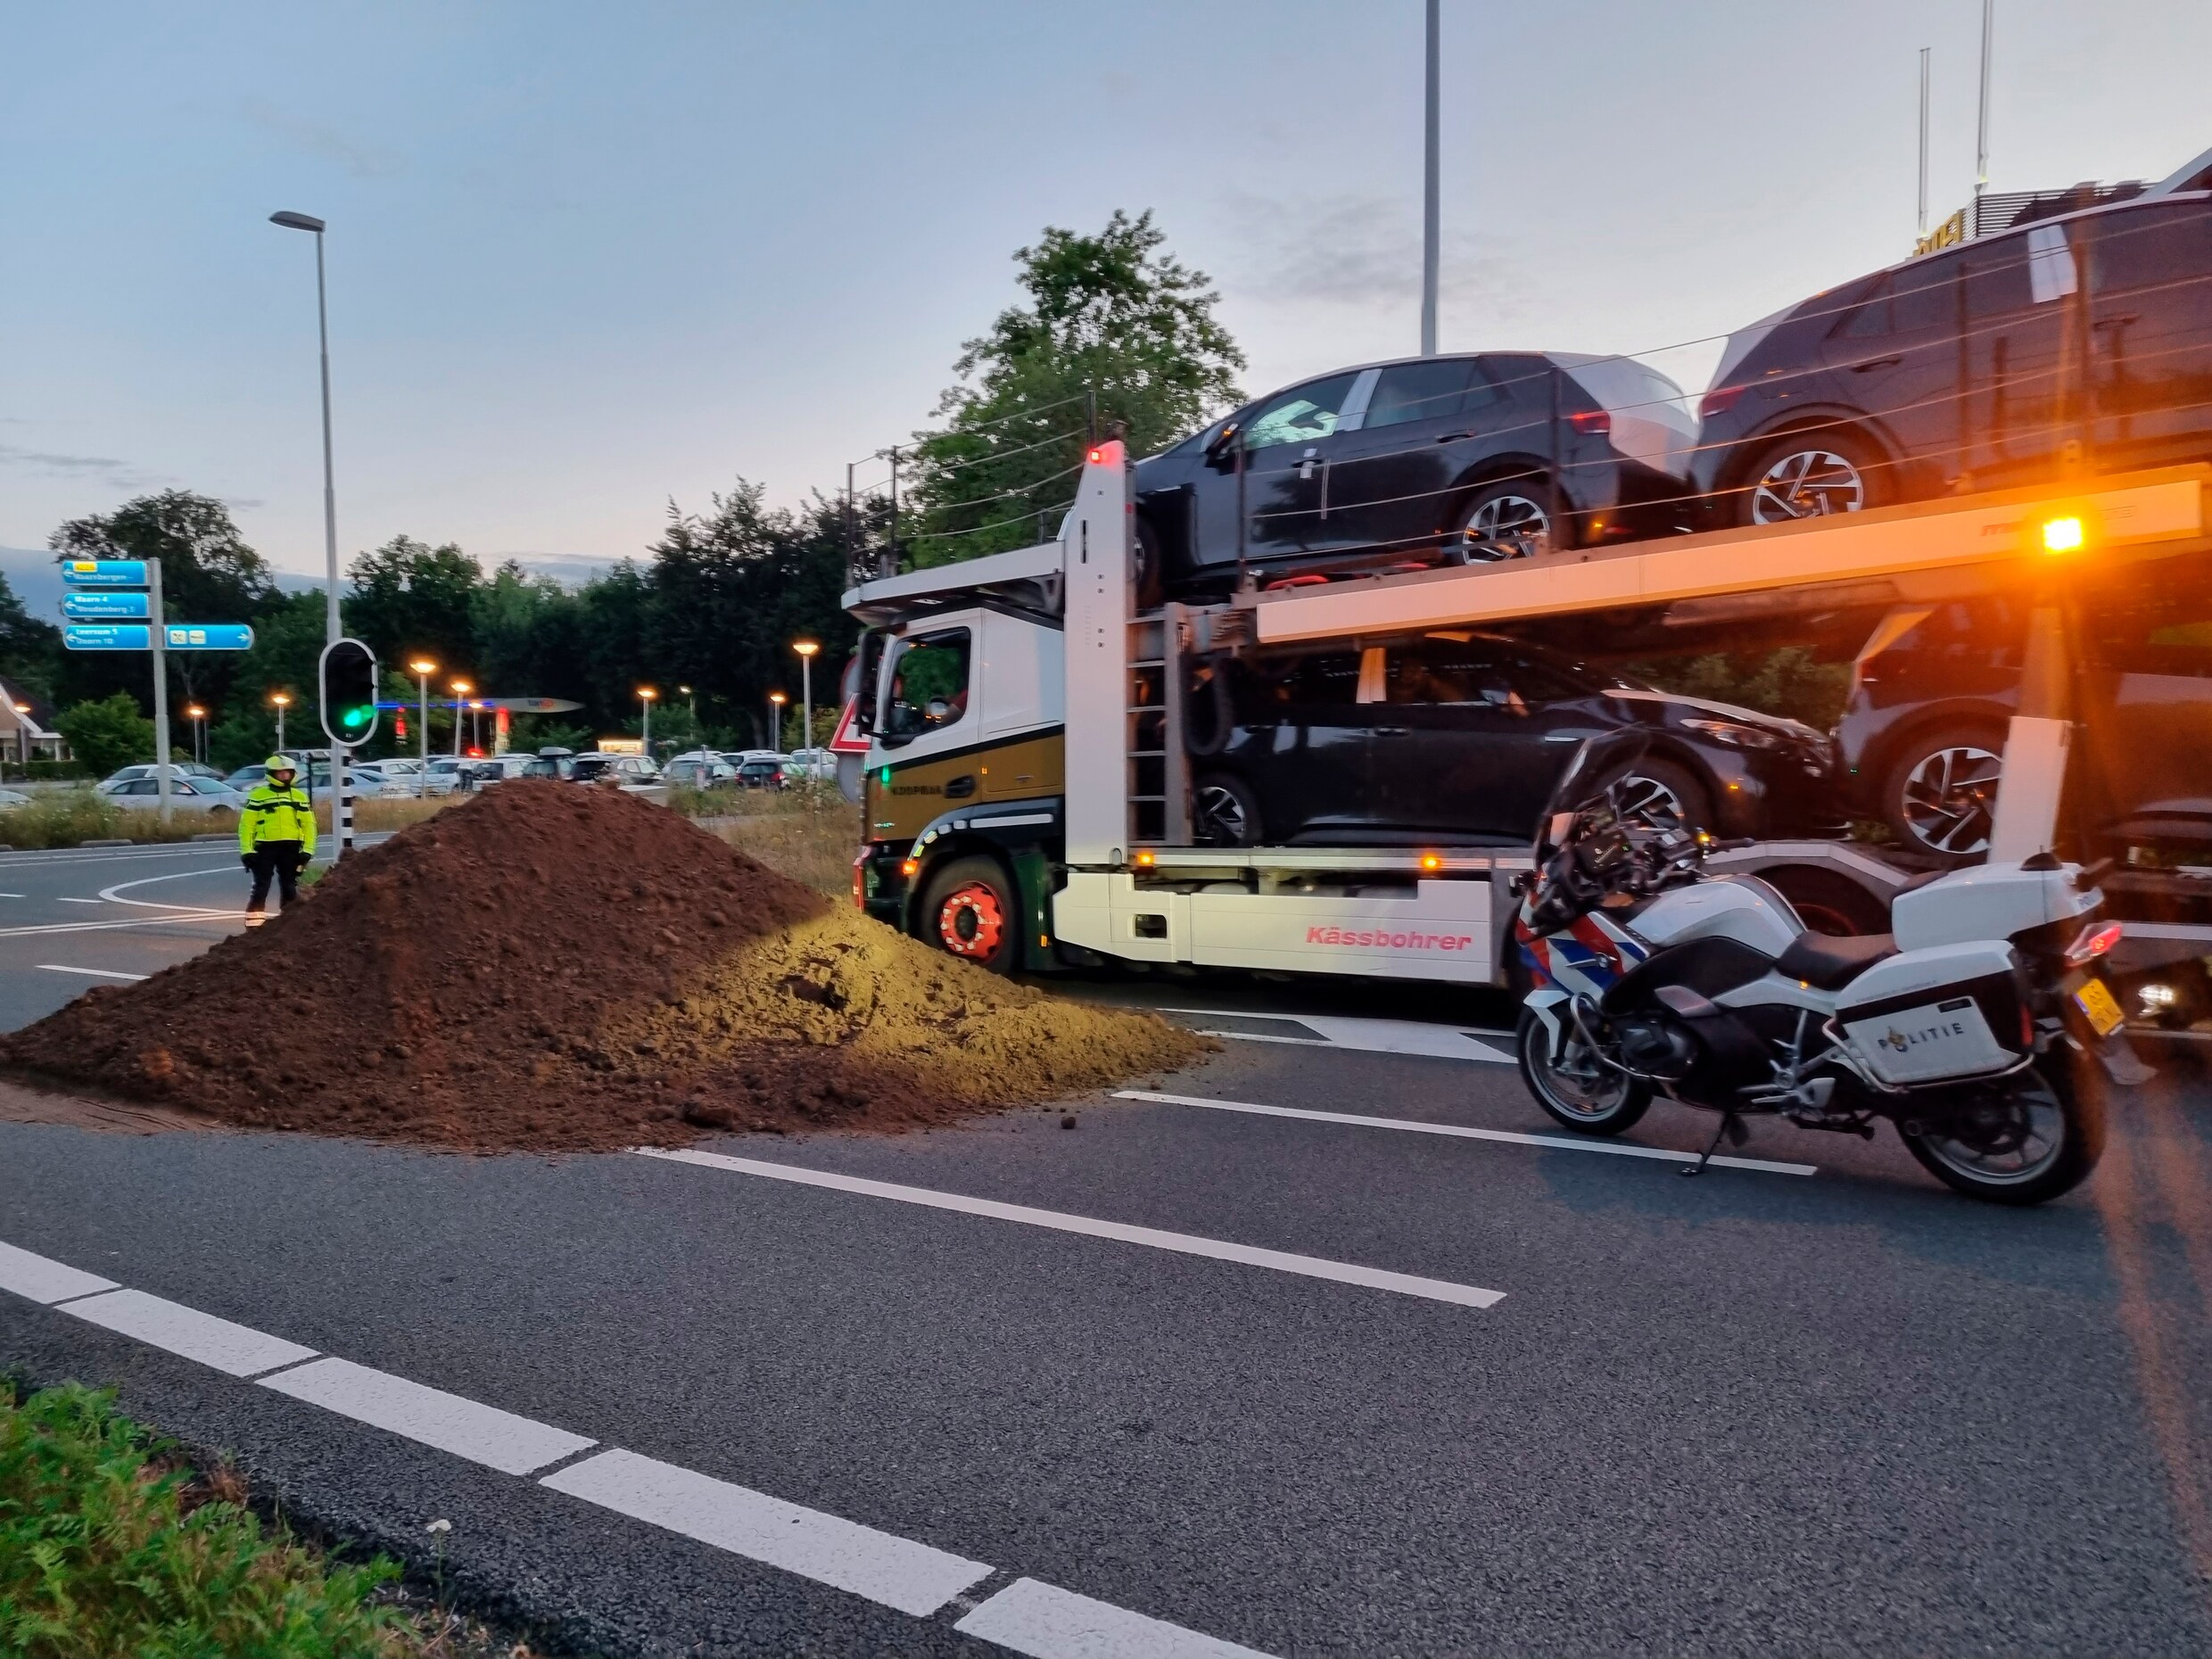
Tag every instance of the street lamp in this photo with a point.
(646, 696)
(422, 668)
(807, 649)
(283, 700)
(461, 689)
(776, 700)
(198, 717)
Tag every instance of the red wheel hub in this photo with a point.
(970, 922)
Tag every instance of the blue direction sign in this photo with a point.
(104, 572)
(208, 637)
(107, 637)
(104, 606)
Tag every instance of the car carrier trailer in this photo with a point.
(1028, 788)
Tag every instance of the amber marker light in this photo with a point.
(2062, 535)
(1432, 861)
(1145, 861)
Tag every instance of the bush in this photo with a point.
(110, 1546)
(53, 771)
(1789, 683)
(71, 817)
(108, 734)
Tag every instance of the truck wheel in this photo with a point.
(973, 913)
(1224, 811)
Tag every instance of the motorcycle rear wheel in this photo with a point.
(1578, 1090)
(2030, 1141)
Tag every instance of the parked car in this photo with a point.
(552, 762)
(1439, 458)
(495, 769)
(1456, 736)
(209, 798)
(815, 765)
(1923, 731)
(444, 774)
(698, 772)
(631, 772)
(13, 797)
(764, 774)
(177, 769)
(1949, 372)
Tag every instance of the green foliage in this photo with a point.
(1789, 682)
(52, 769)
(30, 650)
(825, 728)
(108, 1548)
(412, 600)
(107, 734)
(1110, 315)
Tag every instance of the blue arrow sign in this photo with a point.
(104, 572)
(109, 606)
(208, 637)
(107, 637)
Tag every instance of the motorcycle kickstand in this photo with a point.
(1732, 1127)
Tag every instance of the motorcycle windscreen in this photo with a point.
(1598, 764)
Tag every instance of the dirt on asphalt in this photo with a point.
(556, 967)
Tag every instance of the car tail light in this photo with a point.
(1597, 423)
(2095, 940)
(1720, 401)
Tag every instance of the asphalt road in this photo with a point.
(1304, 1385)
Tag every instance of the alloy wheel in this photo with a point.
(1218, 818)
(1648, 800)
(1580, 1085)
(1807, 483)
(2005, 1138)
(1950, 799)
(1507, 527)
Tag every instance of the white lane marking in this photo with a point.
(45, 1281)
(1372, 1036)
(65, 899)
(892, 1570)
(110, 927)
(237, 1350)
(96, 973)
(13, 895)
(484, 1434)
(1048, 1622)
(1183, 1243)
(1511, 1138)
(114, 895)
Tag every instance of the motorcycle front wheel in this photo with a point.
(2019, 1140)
(1577, 1089)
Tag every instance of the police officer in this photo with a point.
(277, 833)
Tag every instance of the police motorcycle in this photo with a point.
(1978, 1026)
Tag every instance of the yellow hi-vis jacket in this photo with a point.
(274, 814)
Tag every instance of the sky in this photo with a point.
(586, 261)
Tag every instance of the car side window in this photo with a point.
(2162, 627)
(928, 684)
(1302, 414)
(1996, 280)
(1871, 319)
(1920, 297)
(1326, 678)
(140, 786)
(2152, 247)
(1435, 388)
(1441, 670)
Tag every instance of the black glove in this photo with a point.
(246, 860)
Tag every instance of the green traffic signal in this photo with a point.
(348, 676)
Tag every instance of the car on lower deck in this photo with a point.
(1457, 737)
(1953, 372)
(1485, 456)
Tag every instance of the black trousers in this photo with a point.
(282, 859)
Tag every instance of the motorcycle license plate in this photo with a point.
(2097, 1002)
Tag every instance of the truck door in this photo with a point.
(2150, 322)
(2015, 331)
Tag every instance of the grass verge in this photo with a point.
(112, 1544)
(813, 842)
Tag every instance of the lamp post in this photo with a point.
(198, 717)
(283, 700)
(461, 689)
(807, 650)
(646, 696)
(422, 668)
(776, 700)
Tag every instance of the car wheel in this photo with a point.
(1150, 577)
(973, 913)
(1660, 792)
(1224, 811)
(1940, 798)
(1812, 475)
(1502, 521)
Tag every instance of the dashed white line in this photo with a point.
(1045, 1622)
(1155, 1238)
(237, 1350)
(42, 1280)
(1511, 1138)
(96, 973)
(65, 899)
(895, 1572)
(484, 1434)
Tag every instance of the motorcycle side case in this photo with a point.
(1940, 1015)
(1987, 902)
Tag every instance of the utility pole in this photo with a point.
(1981, 118)
(1923, 230)
(1432, 210)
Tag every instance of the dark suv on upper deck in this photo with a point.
(1954, 371)
(1428, 459)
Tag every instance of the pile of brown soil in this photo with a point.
(556, 967)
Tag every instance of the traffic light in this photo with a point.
(348, 679)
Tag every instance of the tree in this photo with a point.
(1115, 329)
(109, 733)
(29, 649)
(410, 599)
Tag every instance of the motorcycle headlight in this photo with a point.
(1736, 736)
